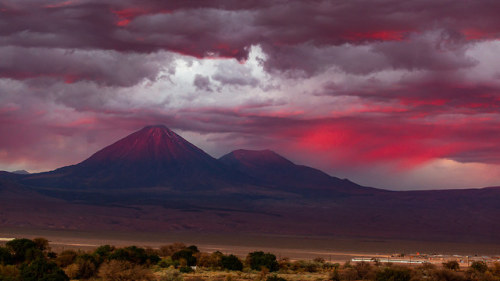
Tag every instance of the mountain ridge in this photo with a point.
(137, 180)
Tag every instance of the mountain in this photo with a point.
(152, 156)
(154, 179)
(274, 170)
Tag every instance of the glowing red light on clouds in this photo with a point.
(382, 35)
(418, 102)
(60, 4)
(476, 34)
(125, 16)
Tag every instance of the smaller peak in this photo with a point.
(265, 156)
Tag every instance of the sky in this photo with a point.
(391, 94)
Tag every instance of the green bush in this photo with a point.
(231, 262)
(187, 255)
(479, 266)
(134, 255)
(257, 260)
(102, 253)
(24, 250)
(186, 269)
(41, 270)
(168, 262)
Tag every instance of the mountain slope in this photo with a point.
(153, 156)
(154, 179)
(275, 170)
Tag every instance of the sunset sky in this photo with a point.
(391, 94)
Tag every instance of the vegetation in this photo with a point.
(27, 260)
(259, 260)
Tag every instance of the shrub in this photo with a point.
(168, 262)
(186, 269)
(172, 275)
(257, 260)
(307, 266)
(103, 252)
(334, 275)
(41, 243)
(348, 273)
(479, 266)
(117, 270)
(86, 267)
(41, 270)
(275, 278)
(24, 250)
(231, 262)
(135, 255)
(452, 265)
(9, 273)
(66, 258)
(447, 275)
(5, 256)
(496, 269)
(187, 255)
(393, 274)
(363, 269)
(169, 250)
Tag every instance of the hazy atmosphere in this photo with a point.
(390, 94)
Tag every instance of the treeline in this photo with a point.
(27, 260)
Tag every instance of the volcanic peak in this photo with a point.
(263, 157)
(152, 143)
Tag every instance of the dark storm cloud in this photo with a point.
(109, 68)
(286, 30)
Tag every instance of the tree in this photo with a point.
(41, 243)
(24, 250)
(41, 270)
(257, 260)
(86, 266)
(187, 255)
(135, 255)
(102, 253)
(231, 262)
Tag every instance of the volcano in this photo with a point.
(152, 156)
(276, 171)
(154, 178)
